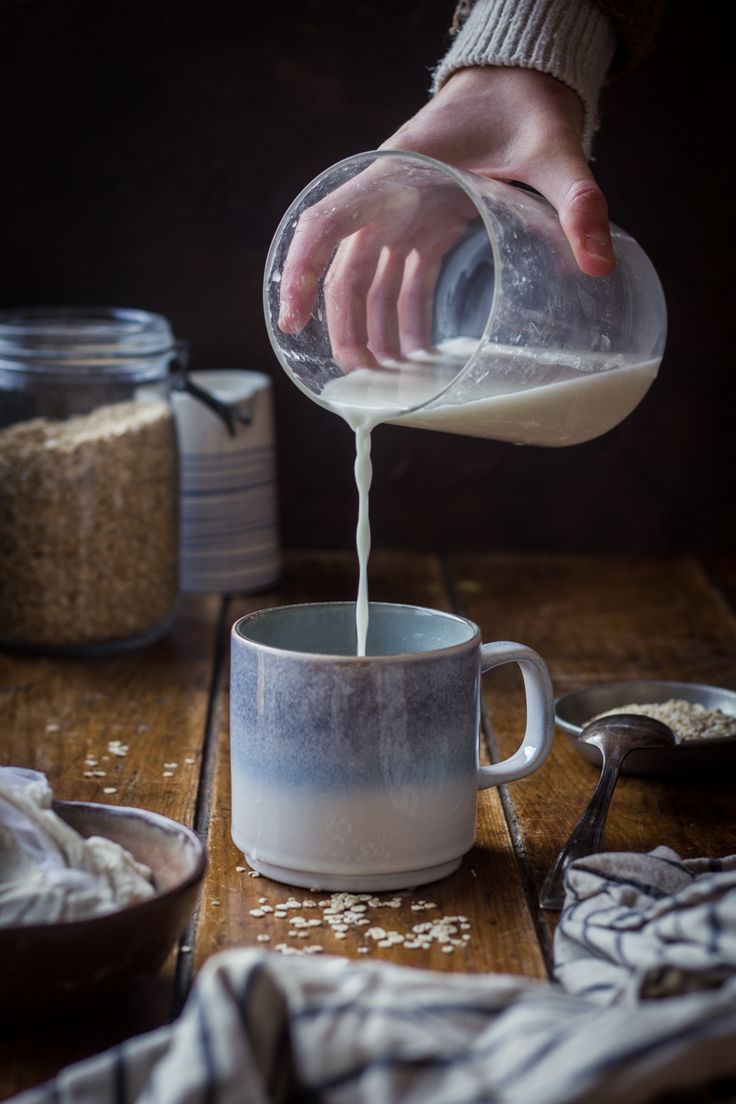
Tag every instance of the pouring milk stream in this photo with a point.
(585, 405)
(522, 346)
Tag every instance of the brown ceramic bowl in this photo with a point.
(574, 710)
(46, 965)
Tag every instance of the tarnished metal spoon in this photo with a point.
(615, 737)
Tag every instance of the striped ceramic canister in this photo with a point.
(228, 498)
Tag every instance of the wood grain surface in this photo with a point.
(56, 716)
(592, 618)
(598, 619)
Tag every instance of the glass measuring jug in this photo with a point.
(423, 295)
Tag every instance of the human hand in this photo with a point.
(383, 249)
(519, 125)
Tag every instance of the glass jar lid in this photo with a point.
(73, 341)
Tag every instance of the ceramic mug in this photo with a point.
(361, 773)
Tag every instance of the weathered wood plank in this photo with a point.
(598, 619)
(56, 716)
(59, 714)
(487, 889)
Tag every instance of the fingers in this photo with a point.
(382, 315)
(363, 284)
(584, 218)
(321, 228)
(416, 301)
(347, 287)
(318, 233)
(434, 236)
(581, 206)
(380, 288)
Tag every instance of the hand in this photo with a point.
(384, 248)
(517, 124)
(382, 237)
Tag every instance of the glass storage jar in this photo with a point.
(88, 479)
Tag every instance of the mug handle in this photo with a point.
(540, 717)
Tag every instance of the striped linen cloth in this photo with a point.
(645, 1010)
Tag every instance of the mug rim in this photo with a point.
(473, 641)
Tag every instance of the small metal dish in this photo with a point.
(575, 709)
(47, 966)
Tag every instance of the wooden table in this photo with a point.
(593, 619)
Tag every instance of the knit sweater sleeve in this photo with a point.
(572, 40)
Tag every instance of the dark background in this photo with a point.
(150, 150)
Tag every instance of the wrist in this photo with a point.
(570, 40)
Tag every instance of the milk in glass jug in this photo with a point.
(400, 289)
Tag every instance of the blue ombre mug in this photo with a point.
(362, 773)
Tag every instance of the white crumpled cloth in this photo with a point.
(645, 1006)
(48, 871)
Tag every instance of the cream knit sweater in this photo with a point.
(572, 40)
